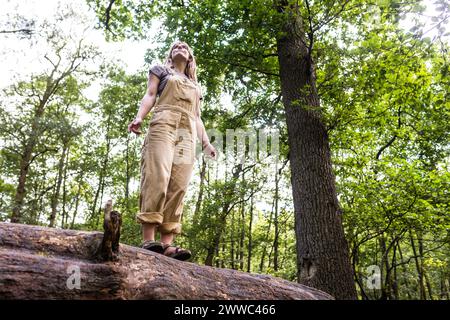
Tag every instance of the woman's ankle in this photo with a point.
(149, 231)
(167, 238)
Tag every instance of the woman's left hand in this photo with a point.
(210, 151)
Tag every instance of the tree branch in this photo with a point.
(329, 19)
(108, 15)
(28, 32)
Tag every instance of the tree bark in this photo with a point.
(419, 269)
(405, 271)
(250, 231)
(109, 249)
(322, 250)
(395, 290)
(242, 237)
(386, 286)
(232, 241)
(77, 201)
(128, 176)
(65, 214)
(444, 295)
(199, 201)
(25, 162)
(275, 221)
(424, 273)
(102, 176)
(55, 196)
(36, 263)
(264, 250)
(230, 189)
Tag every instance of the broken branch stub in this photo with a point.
(109, 249)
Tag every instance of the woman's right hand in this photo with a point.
(135, 125)
(210, 151)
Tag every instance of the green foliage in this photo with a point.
(384, 94)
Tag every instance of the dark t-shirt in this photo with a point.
(163, 73)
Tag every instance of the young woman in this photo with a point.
(168, 152)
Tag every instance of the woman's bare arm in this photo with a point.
(201, 132)
(149, 98)
(203, 137)
(147, 103)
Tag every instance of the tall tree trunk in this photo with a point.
(428, 283)
(127, 178)
(264, 250)
(65, 214)
(41, 190)
(242, 237)
(99, 211)
(198, 204)
(102, 175)
(220, 262)
(425, 276)
(230, 189)
(275, 221)
(405, 271)
(77, 201)
(250, 226)
(55, 197)
(232, 241)
(199, 201)
(322, 250)
(358, 276)
(445, 294)
(213, 249)
(25, 162)
(394, 267)
(386, 286)
(241, 224)
(418, 267)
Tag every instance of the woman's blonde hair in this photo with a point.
(191, 66)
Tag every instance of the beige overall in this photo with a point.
(168, 155)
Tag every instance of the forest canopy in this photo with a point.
(382, 76)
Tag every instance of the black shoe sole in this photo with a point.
(181, 256)
(154, 248)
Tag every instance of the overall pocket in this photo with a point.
(165, 118)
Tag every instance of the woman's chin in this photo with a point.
(179, 57)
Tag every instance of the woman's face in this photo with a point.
(180, 51)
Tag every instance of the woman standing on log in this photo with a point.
(168, 151)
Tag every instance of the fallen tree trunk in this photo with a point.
(46, 263)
